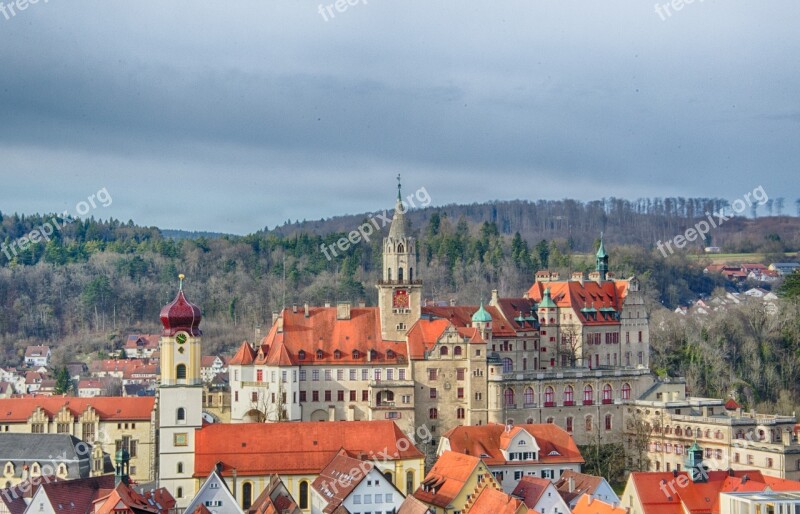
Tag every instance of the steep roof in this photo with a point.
(447, 478)
(588, 295)
(37, 351)
(461, 316)
(257, 449)
(492, 501)
(426, 332)
(274, 499)
(587, 505)
(519, 312)
(157, 501)
(244, 355)
(531, 489)
(555, 443)
(108, 408)
(76, 496)
(580, 484)
(410, 505)
(336, 482)
(320, 335)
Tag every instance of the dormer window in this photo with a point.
(373, 354)
(319, 354)
(390, 354)
(301, 355)
(355, 354)
(337, 354)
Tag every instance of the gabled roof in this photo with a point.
(244, 355)
(461, 316)
(555, 443)
(37, 351)
(335, 483)
(572, 484)
(259, 449)
(519, 312)
(492, 501)
(108, 408)
(410, 505)
(157, 501)
(587, 505)
(76, 496)
(322, 338)
(426, 332)
(575, 295)
(142, 341)
(531, 489)
(215, 481)
(16, 498)
(447, 478)
(274, 499)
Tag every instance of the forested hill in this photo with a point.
(643, 222)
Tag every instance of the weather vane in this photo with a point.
(181, 277)
(398, 187)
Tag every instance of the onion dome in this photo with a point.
(547, 302)
(481, 316)
(181, 315)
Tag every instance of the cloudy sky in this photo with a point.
(233, 116)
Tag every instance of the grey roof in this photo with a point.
(50, 449)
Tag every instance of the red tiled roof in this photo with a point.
(108, 408)
(461, 316)
(587, 505)
(338, 472)
(576, 296)
(258, 449)
(492, 501)
(207, 361)
(447, 478)
(423, 335)
(581, 484)
(320, 335)
(731, 404)
(530, 490)
(513, 307)
(489, 439)
(143, 341)
(244, 355)
(78, 494)
(163, 501)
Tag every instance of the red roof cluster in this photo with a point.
(589, 294)
(447, 478)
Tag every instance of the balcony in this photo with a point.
(588, 402)
(608, 401)
(511, 406)
(549, 404)
(569, 403)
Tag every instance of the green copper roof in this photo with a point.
(601, 251)
(546, 300)
(694, 447)
(481, 316)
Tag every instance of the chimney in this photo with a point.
(275, 316)
(327, 305)
(279, 324)
(305, 309)
(578, 276)
(452, 302)
(343, 310)
(494, 298)
(362, 304)
(294, 308)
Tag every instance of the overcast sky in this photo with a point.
(233, 116)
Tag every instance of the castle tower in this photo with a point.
(399, 290)
(122, 459)
(180, 396)
(694, 463)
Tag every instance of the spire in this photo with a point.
(601, 262)
(601, 252)
(398, 230)
(181, 277)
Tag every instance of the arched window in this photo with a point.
(409, 482)
(570, 424)
(180, 416)
(678, 431)
(179, 492)
(411, 274)
(180, 468)
(626, 391)
(301, 354)
(247, 495)
(401, 248)
(443, 351)
(569, 396)
(62, 470)
(588, 395)
(400, 275)
(528, 395)
(589, 423)
(549, 396)
(355, 354)
(460, 413)
(530, 422)
(508, 395)
(304, 495)
(608, 422)
(319, 354)
(180, 372)
(550, 421)
(708, 434)
(608, 394)
(508, 365)
(337, 354)
(389, 274)
(457, 351)
(388, 475)
(433, 413)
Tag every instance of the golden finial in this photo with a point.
(181, 277)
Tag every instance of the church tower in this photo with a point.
(180, 396)
(601, 260)
(399, 290)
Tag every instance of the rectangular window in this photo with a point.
(283, 376)
(433, 373)
(402, 373)
(390, 374)
(388, 498)
(460, 393)
(302, 375)
(340, 396)
(259, 375)
(365, 396)
(377, 375)
(517, 475)
(254, 396)
(406, 398)
(88, 432)
(315, 375)
(339, 375)
(327, 374)
(272, 398)
(327, 396)
(433, 392)
(365, 374)
(460, 374)
(314, 396)
(352, 396)
(302, 396)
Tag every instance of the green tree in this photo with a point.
(63, 381)
(791, 286)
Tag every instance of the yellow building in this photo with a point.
(454, 483)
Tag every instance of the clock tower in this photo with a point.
(399, 290)
(180, 396)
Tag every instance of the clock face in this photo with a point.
(400, 299)
(180, 338)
